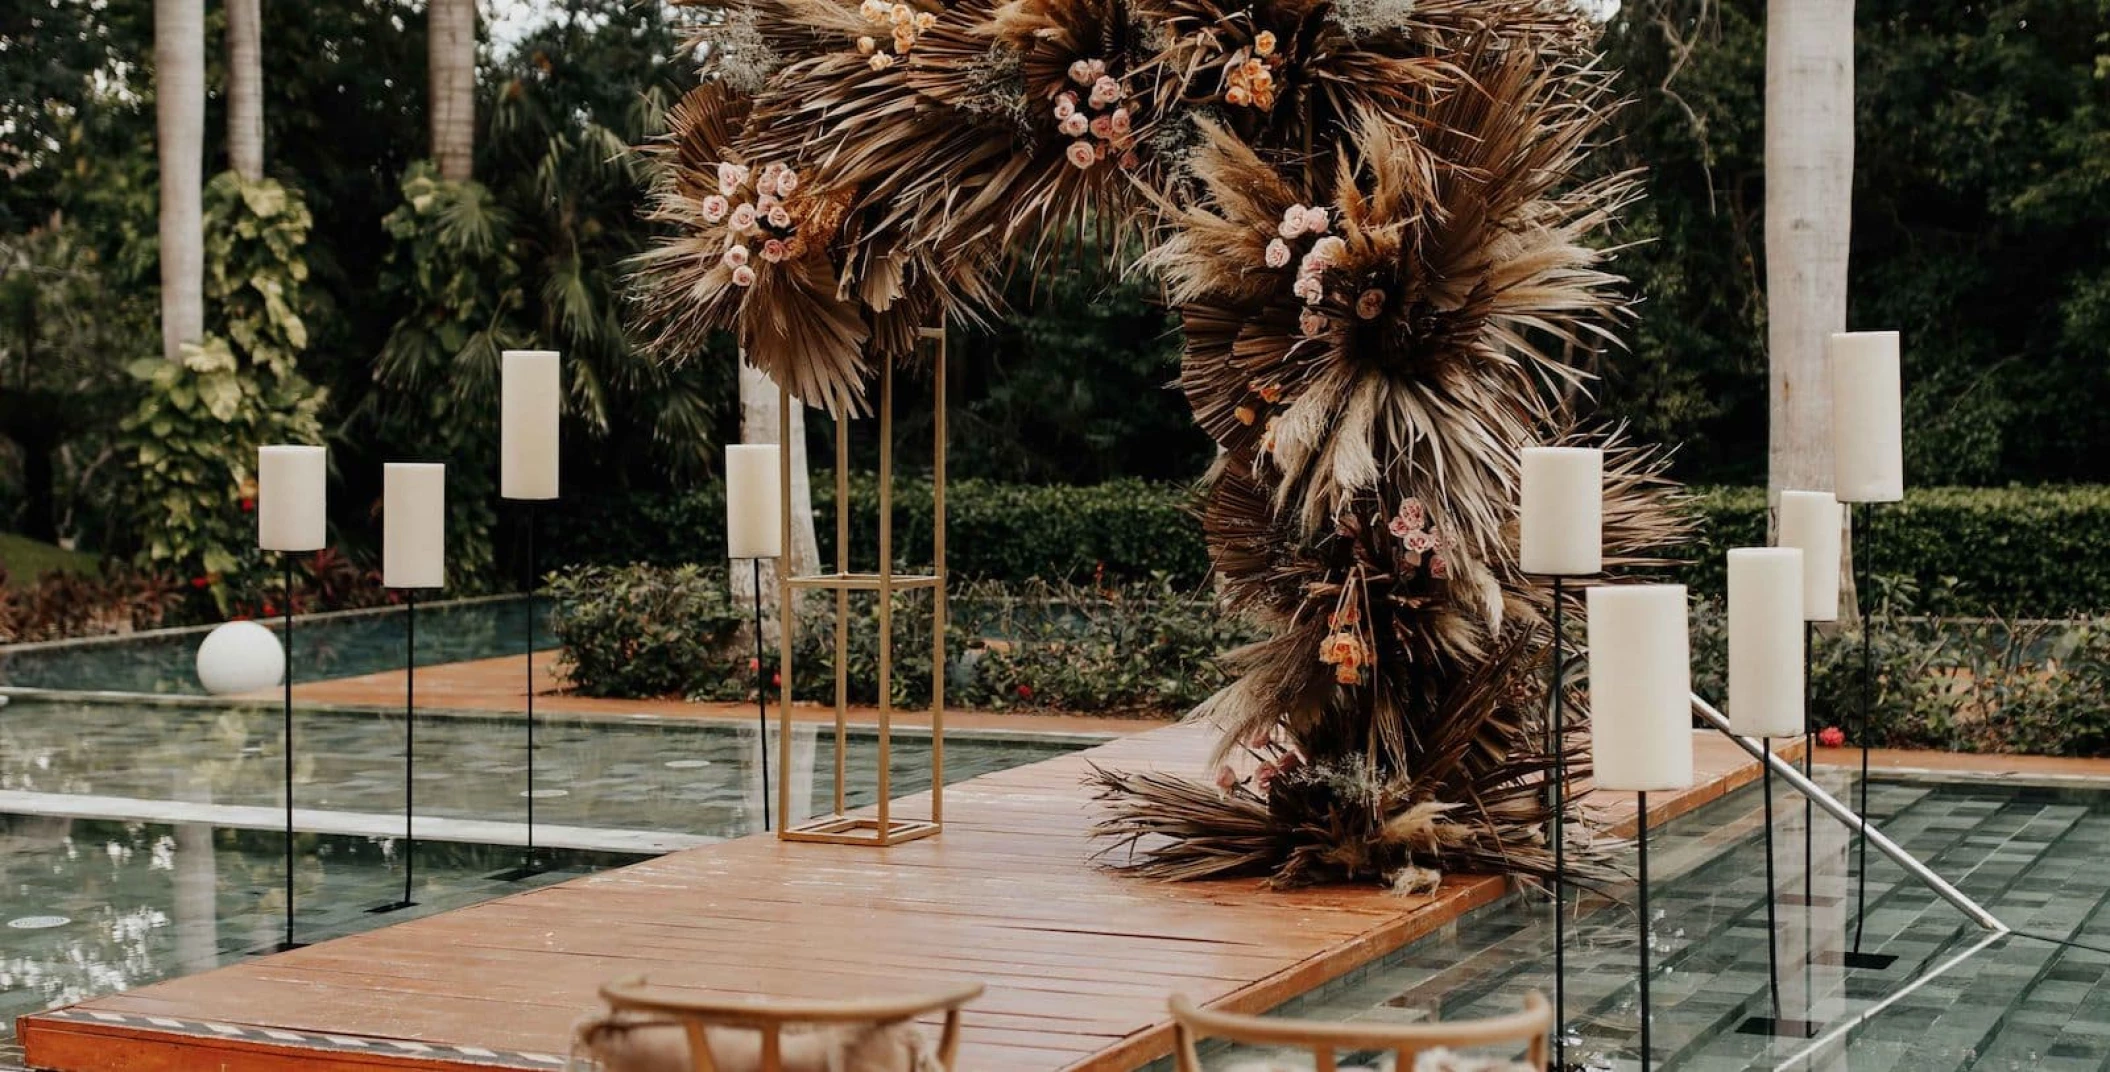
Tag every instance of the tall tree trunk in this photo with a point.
(1809, 217)
(179, 113)
(245, 88)
(759, 423)
(451, 56)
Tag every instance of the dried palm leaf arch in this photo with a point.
(1375, 219)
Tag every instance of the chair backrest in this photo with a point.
(770, 1016)
(1530, 1028)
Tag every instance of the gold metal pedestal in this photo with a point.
(885, 828)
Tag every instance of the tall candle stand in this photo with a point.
(1864, 572)
(292, 498)
(410, 751)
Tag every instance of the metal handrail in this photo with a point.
(1847, 815)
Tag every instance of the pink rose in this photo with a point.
(1438, 568)
(1398, 527)
(1309, 289)
(1831, 737)
(779, 219)
(1120, 120)
(743, 276)
(1312, 322)
(1080, 154)
(764, 203)
(1292, 223)
(1415, 514)
(787, 183)
(1226, 778)
(1277, 253)
(1327, 251)
(734, 256)
(743, 218)
(1065, 106)
(1105, 91)
(1103, 127)
(714, 208)
(1419, 543)
(1371, 303)
(1081, 72)
(1097, 68)
(730, 176)
(1075, 126)
(773, 250)
(1315, 221)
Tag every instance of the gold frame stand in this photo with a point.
(885, 828)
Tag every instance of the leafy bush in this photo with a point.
(62, 605)
(640, 631)
(1146, 647)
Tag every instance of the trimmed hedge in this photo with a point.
(2015, 552)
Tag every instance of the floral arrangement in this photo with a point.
(1377, 224)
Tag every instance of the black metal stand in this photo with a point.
(410, 722)
(286, 559)
(1864, 569)
(1556, 792)
(1647, 924)
(761, 694)
(529, 866)
(1775, 1024)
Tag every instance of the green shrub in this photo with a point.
(2026, 552)
(641, 631)
(1145, 647)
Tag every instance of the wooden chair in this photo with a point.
(1531, 1028)
(770, 1016)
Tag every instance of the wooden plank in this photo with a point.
(1078, 959)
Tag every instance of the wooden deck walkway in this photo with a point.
(1078, 960)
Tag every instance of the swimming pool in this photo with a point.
(344, 644)
(1956, 998)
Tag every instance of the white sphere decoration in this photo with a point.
(240, 657)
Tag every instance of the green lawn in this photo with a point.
(26, 559)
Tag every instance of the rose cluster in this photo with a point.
(1418, 538)
(904, 24)
(1299, 221)
(764, 217)
(1249, 81)
(1099, 121)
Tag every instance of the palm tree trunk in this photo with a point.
(759, 424)
(451, 56)
(1809, 218)
(179, 112)
(245, 88)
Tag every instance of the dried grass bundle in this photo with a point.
(1369, 217)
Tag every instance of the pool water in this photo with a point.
(88, 907)
(681, 776)
(1956, 998)
(326, 646)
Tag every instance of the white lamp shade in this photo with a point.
(1765, 642)
(240, 657)
(1563, 511)
(1810, 522)
(531, 391)
(292, 498)
(754, 501)
(1640, 688)
(413, 525)
(1868, 438)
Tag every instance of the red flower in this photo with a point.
(753, 664)
(1831, 737)
(200, 582)
(1025, 692)
(776, 681)
(248, 504)
(270, 610)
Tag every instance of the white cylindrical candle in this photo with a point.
(413, 525)
(292, 498)
(1765, 641)
(1810, 522)
(1563, 511)
(754, 501)
(530, 398)
(1868, 437)
(1640, 688)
